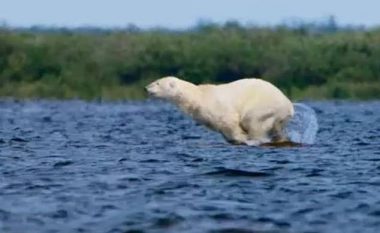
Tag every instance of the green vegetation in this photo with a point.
(307, 61)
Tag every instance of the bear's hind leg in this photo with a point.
(278, 132)
(258, 126)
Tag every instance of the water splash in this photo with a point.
(303, 127)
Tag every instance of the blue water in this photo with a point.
(145, 167)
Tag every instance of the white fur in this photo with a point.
(247, 111)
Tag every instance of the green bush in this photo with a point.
(308, 61)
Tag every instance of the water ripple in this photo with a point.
(76, 166)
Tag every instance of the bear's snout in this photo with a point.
(150, 89)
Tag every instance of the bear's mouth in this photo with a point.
(152, 95)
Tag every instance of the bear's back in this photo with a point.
(257, 92)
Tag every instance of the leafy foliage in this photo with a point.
(306, 61)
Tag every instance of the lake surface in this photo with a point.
(123, 167)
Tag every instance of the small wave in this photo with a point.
(237, 172)
(303, 127)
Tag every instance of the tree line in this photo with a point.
(307, 61)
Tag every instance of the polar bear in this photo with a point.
(248, 111)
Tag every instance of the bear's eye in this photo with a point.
(172, 84)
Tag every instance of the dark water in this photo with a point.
(145, 167)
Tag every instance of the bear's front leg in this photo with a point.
(235, 135)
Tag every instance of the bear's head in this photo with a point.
(165, 88)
